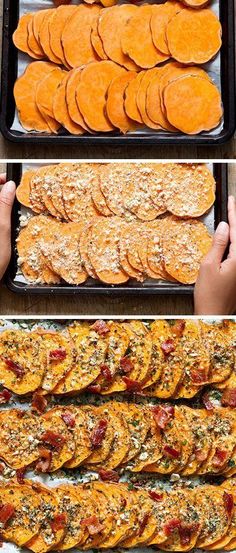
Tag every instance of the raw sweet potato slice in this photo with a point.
(16, 426)
(99, 199)
(20, 36)
(194, 36)
(193, 104)
(84, 241)
(185, 243)
(124, 247)
(115, 103)
(196, 3)
(24, 523)
(23, 190)
(161, 15)
(25, 96)
(141, 49)
(60, 109)
(142, 96)
(40, 196)
(110, 28)
(96, 39)
(136, 191)
(45, 93)
(33, 44)
(103, 251)
(37, 22)
(189, 190)
(174, 70)
(153, 107)
(92, 90)
(44, 37)
(72, 105)
(79, 52)
(22, 361)
(56, 26)
(77, 185)
(131, 91)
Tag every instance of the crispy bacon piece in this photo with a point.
(56, 441)
(171, 452)
(15, 368)
(168, 347)
(198, 376)
(143, 523)
(163, 414)
(1, 540)
(5, 396)
(201, 455)
(228, 398)
(106, 373)
(178, 327)
(132, 385)
(109, 475)
(68, 418)
(93, 525)
(185, 532)
(58, 522)
(45, 460)
(219, 457)
(155, 496)
(39, 402)
(20, 475)
(228, 503)
(101, 328)
(207, 402)
(61, 2)
(171, 526)
(2, 468)
(57, 354)
(99, 433)
(7, 511)
(94, 388)
(126, 364)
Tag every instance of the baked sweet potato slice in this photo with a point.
(190, 522)
(185, 243)
(151, 450)
(171, 440)
(111, 24)
(103, 251)
(161, 15)
(62, 444)
(20, 36)
(194, 36)
(130, 102)
(117, 343)
(73, 108)
(60, 357)
(115, 103)
(196, 3)
(141, 49)
(45, 93)
(92, 90)
(146, 522)
(60, 109)
(193, 104)
(79, 52)
(25, 88)
(118, 495)
(221, 357)
(44, 37)
(228, 541)
(142, 97)
(197, 419)
(23, 190)
(122, 441)
(190, 192)
(103, 522)
(222, 429)
(90, 347)
(101, 445)
(157, 354)
(22, 361)
(75, 502)
(214, 510)
(56, 26)
(16, 427)
(76, 420)
(24, 523)
(138, 421)
(164, 511)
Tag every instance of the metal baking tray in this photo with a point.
(150, 286)
(222, 69)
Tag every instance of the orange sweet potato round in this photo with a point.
(115, 102)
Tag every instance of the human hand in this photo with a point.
(215, 289)
(7, 196)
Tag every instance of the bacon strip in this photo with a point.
(163, 414)
(15, 368)
(7, 511)
(99, 433)
(56, 441)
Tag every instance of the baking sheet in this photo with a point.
(213, 67)
(25, 213)
(80, 475)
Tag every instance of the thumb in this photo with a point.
(219, 245)
(7, 196)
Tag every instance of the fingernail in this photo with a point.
(9, 187)
(231, 199)
(223, 228)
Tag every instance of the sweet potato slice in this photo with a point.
(136, 191)
(78, 180)
(197, 420)
(20, 36)
(111, 187)
(96, 39)
(72, 105)
(221, 357)
(37, 21)
(185, 243)
(146, 523)
(76, 503)
(174, 70)
(33, 44)
(16, 427)
(103, 516)
(24, 523)
(60, 357)
(56, 26)
(79, 52)
(40, 190)
(142, 96)
(194, 37)
(92, 90)
(110, 28)
(22, 361)
(60, 109)
(77, 422)
(45, 93)
(122, 441)
(141, 49)
(52, 423)
(150, 450)
(196, 3)
(189, 190)
(25, 96)
(138, 423)
(124, 247)
(99, 199)
(84, 241)
(192, 518)
(153, 106)
(101, 452)
(115, 103)
(193, 104)
(23, 190)
(44, 37)
(104, 251)
(161, 15)
(131, 92)
(215, 510)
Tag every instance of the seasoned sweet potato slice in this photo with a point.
(197, 419)
(15, 428)
(138, 421)
(23, 190)
(110, 28)
(161, 15)
(111, 187)
(193, 104)
(189, 190)
(92, 90)
(115, 103)
(126, 240)
(146, 523)
(41, 190)
(99, 198)
(194, 36)
(56, 437)
(45, 93)
(222, 429)
(60, 109)
(122, 442)
(185, 538)
(101, 434)
(23, 524)
(76, 420)
(56, 26)
(103, 251)
(77, 186)
(20, 36)
(22, 361)
(60, 357)
(221, 357)
(131, 92)
(215, 510)
(79, 52)
(25, 96)
(84, 241)
(75, 502)
(151, 450)
(141, 49)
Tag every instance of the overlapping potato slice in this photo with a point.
(221, 357)
(56, 438)
(23, 523)
(19, 431)
(60, 358)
